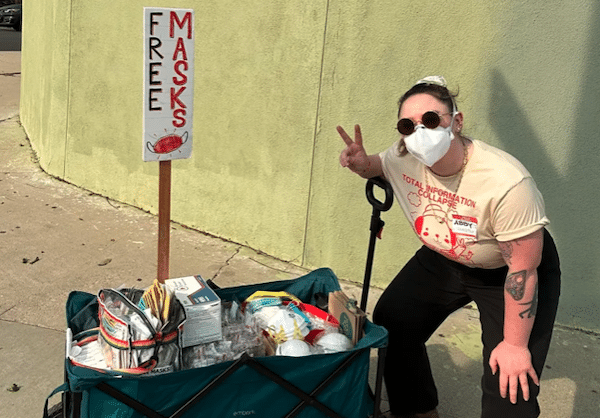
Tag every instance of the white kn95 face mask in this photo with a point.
(429, 145)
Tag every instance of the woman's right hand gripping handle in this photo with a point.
(355, 157)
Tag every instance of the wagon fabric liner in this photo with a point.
(334, 385)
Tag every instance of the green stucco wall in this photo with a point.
(272, 80)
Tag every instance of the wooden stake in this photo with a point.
(164, 219)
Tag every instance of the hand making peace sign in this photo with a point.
(355, 157)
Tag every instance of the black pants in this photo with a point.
(427, 290)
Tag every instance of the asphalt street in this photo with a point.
(10, 39)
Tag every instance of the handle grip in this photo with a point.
(389, 193)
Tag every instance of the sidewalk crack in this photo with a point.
(227, 262)
(2, 313)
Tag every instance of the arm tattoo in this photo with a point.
(515, 284)
(506, 251)
(530, 312)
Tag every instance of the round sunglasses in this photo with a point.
(430, 120)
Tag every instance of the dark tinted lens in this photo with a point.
(406, 126)
(431, 120)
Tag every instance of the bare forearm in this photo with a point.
(520, 306)
(512, 356)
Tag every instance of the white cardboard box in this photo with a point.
(202, 310)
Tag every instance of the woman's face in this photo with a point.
(414, 107)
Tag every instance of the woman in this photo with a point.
(481, 219)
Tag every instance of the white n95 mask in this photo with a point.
(429, 145)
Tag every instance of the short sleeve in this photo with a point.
(520, 212)
(386, 157)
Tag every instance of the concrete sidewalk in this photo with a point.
(55, 238)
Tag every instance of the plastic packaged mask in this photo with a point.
(286, 325)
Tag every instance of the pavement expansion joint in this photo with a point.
(27, 324)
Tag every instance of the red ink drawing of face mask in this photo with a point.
(167, 144)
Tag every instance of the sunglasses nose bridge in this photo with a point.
(418, 126)
(429, 120)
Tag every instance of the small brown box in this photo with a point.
(349, 315)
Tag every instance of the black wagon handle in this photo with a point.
(375, 228)
(389, 194)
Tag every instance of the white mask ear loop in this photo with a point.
(454, 113)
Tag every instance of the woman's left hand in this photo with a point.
(515, 365)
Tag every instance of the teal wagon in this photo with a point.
(324, 385)
(332, 385)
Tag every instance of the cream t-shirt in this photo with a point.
(497, 200)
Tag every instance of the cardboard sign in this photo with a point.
(168, 83)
